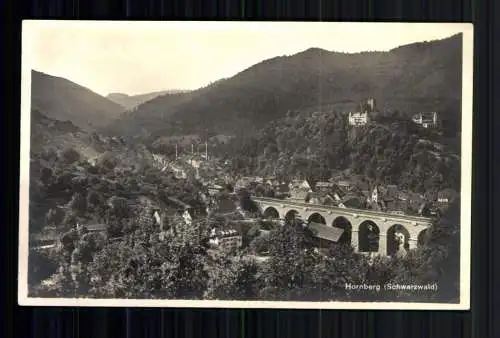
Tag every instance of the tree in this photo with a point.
(246, 202)
(340, 266)
(143, 266)
(437, 261)
(232, 278)
(40, 266)
(288, 274)
(70, 156)
(78, 204)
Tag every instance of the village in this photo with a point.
(222, 190)
(230, 201)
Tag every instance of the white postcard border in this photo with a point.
(29, 26)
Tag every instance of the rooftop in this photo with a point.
(325, 232)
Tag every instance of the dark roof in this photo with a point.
(351, 200)
(299, 183)
(178, 202)
(325, 185)
(344, 183)
(96, 227)
(227, 233)
(325, 232)
(396, 205)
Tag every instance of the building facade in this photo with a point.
(426, 120)
(225, 239)
(362, 116)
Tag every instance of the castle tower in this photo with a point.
(371, 103)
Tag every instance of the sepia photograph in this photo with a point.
(319, 165)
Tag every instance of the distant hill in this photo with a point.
(131, 101)
(48, 135)
(420, 76)
(63, 100)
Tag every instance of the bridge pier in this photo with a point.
(355, 239)
(412, 243)
(382, 244)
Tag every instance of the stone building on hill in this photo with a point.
(426, 120)
(363, 113)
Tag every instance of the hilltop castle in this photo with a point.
(362, 115)
(426, 120)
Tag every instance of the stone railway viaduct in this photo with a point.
(354, 225)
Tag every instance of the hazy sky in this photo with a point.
(140, 57)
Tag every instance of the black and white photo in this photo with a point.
(246, 164)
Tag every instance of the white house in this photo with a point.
(187, 217)
(358, 118)
(426, 120)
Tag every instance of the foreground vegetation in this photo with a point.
(143, 265)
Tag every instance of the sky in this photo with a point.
(141, 57)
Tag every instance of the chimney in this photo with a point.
(176, 154)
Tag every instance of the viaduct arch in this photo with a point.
(367, 231)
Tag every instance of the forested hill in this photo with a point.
(420, 76)
(51, 138)
(390, 149)
(131, 101)
(63, 100)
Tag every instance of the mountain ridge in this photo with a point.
(419, 76)
(64, 100)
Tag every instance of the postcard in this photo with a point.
(314, 165)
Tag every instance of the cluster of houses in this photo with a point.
(345, 194)
(363, 114)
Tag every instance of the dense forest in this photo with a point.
(66, 189)
(389, 149)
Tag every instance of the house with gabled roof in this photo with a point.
(345, 185)
(282, 190)
(300, 185)
(300, 195)
(330, 234)
(322, 198)
(272, 182)
(242, 183)
(351, 201)
(214, 189)
(226, 239)
(446, 196)
(324, 185)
